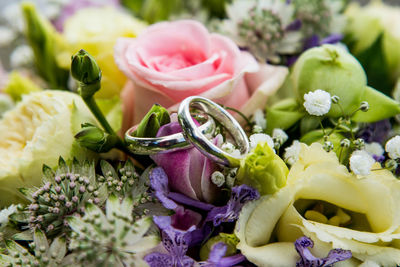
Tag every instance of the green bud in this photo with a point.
(85, 70)
(345, 143)
(359, 143)
(328, 146)
(391, 164)
(263, 170)
(95, 139)
(154, 119)
(230, 241)
(364, 106)
(333, 70)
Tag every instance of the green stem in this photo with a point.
(94, 108)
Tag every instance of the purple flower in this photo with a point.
(74, 5)
(175, 241)
(302, 246)
(230, 212)
(217, 259)
(375, 132)
(189, 171)
(159, 183)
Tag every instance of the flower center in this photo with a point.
(315, 16)
(327, 213)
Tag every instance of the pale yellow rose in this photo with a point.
(367, 211)
(96, 30)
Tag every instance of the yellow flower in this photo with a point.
(326, 202)
(38, 131)
(96, 30)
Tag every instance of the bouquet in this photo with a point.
(199, 133)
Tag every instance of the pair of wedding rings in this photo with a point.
(193, 135)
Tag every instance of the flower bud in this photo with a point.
(95, 139)
(154, 119)
(328, 146)
(333, 70)
(335, 99)
(263, 170)
(359, 143)
(85, 70)
(364, 106)
(332, 142)
(345, 143)
(391, 164)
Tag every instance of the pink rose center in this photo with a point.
(168, 63)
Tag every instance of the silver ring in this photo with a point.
(169, 143)
(197, 138)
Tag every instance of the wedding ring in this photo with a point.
(169, 143)
(197, 138)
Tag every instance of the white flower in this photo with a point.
(4, 213)
(292, 153)
(218, 178)
(361, 162)
(279, 135)
(230, 148)
(317, 103)
(7, 35)
(21, 56)
(259, 118)
(393, 147)
(255, 139)
(374, 148)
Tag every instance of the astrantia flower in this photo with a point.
(264, 28)
(176, 243)
(392, 147)
(44, 255)
(319, 17)
(303, 245)
(318, 102)
(361, 162)
(63, 193)
(111, 239)
(292, 152)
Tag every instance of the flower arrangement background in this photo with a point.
(199, 133)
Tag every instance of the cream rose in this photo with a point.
(170, 61)
(361, 215)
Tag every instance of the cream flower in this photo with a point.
(360, 215)
(361, 162)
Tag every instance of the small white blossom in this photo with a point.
(255, 139)
(361, 162)
(317, 103)
(21, 56)
(279, 135)
(374, 148)
(259, 118)
(218, 178)
(4, 213)
(393, 147)
(292, 152)
(7, 36)
(231, 149)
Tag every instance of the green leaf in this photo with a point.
(380, 107)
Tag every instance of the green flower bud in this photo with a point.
(18, 85)
(95, 139)
(333, 70)
(154, 119)
(230, 241)
(85, 70)
(263, 170)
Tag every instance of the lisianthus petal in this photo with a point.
(217, 252)
(157, 259)
(159, 183)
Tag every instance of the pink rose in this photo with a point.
(170, 61)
